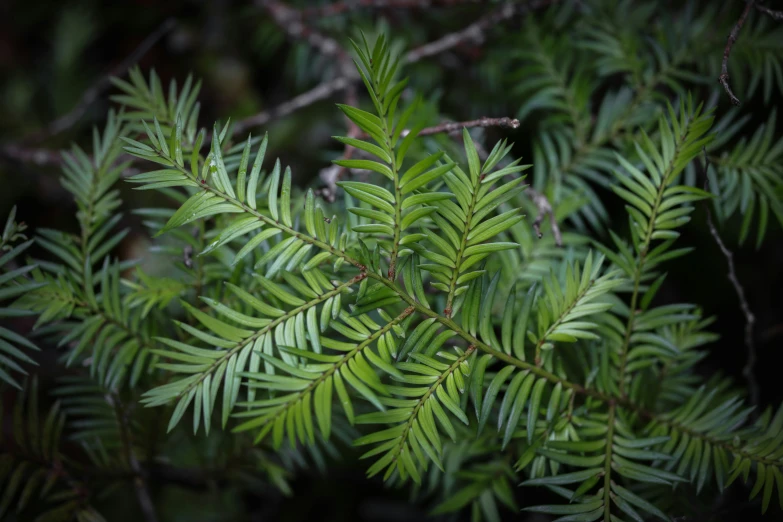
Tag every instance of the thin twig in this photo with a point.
(69, 119)
(504, 122)
(350, 5)
(317, 93)
(724, 69)
(544, 208)
(290, 20)
(33, 155)
(475, 31)
(776, 15)
(331, 87)
(750, 319)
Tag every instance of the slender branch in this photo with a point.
(350, 5)
(475, 31)
(290, 20)
(327, 89)
(724, 69)
(35, 156)
(320, 92)
(89, 97)
(776, 15)
(544, 208)
(483, 122)
(750, 319)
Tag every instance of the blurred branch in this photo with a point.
(750, 319)
(69, 119)
(290, 20)
(350, 5)
(319, 92)
(326, 89)
(776, 15)
(724, 68)
(475, 32)
(504, 122)
(33, 155)
(544, 208)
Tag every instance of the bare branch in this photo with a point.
(724, 68)
(36, 156)
(750, 319)
(776, 15)
(544, 208)
(475, 31)
(69, 119)
(506, 122)
(290, 20)
(320, 92)
(331, 87)
(350, 5)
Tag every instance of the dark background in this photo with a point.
(51, 52)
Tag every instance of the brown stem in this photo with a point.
(724, 68)
(750, 319)
(475, 32)
(350, 5)
(776, 15)
(544, 209)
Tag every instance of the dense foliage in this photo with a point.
(411, 310)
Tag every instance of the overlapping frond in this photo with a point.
(656, 206)
(292, 317)
(552, 78)
(32, 475)
(708, 443)
(13, 284)
(488, 484)
(746, 177)
(418, 414)
(557, 316)
(369, 346)
(216, 193)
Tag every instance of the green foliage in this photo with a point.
(418, 320)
